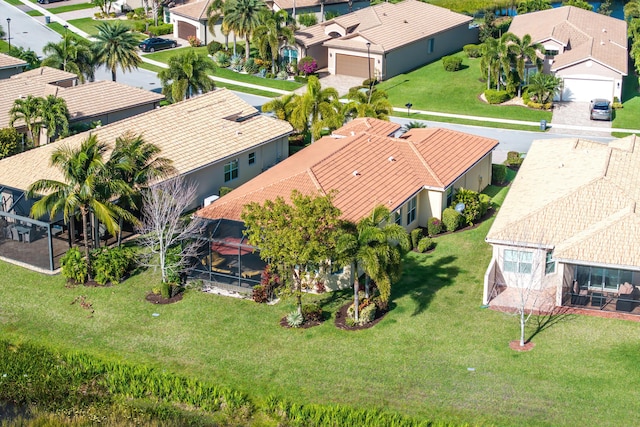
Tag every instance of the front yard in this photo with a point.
(416, 360)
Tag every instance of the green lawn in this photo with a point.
(71, 7)
(14, 2)
(582, 370)
(487, 124)
(627, 117)
(432, 88)
(34, 13)
(88, 25)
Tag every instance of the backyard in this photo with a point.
(416, 361)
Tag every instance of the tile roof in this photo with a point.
(45, 75)
(386, 26)
(578, 197)
(195, 10)
(585, 35)
(288, 4)
(8, 61)
(193, 133)
(81, 99)
(365, 169)
(374, 126)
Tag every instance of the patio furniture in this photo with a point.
(626, 298)
(251, 273)
(14, 234)
(220, 270)
(598, 299)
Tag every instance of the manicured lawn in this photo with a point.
(432, 88)
(627, 117)
(88, 25)
(582, 371)
(71, 7)
(14, 2)
(34, 13)
(487, 124)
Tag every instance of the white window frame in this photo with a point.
(516, 261)
(549, 264)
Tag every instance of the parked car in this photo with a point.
(600, 109)
(156, 43)
(47, 1)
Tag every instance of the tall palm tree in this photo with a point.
(28, 110)
(489, 59)
(86, 189)
(526, 51)
(116, 47)
(72, 54)
(271, 35)
(243, 17)
(366, 102)
(376, 248)
(318, 108)
(55, 116)
(186, 76)
(281, 107)
(215, 12)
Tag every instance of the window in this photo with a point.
(252, 158)
(449, 197)
(550, 264)
(398, 216)
(231, 171)
(517, 261)
(431, 45)
(411, 210)
(608, 279)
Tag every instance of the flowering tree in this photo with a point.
(307, 65)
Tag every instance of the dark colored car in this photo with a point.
(156, 43)
(47, 1)
(600, 109)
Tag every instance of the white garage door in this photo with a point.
(577, 89)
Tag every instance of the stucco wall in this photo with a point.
(202, 31)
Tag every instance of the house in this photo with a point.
(317, 7)
(586, 49)
(215, 140)
(190, 20)
(10, 66)
(386, 39)
(568, 232)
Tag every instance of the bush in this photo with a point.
(425, 244)
(451, 219)
(617, 105)
(312, 312)
(259, 294)
(111, 264)
(237, 62)
(213, 47)
(271, 76)
(140, 26)
(472, 50)
(294, 319)
(224, 190)
(471, 200)
(330, 14)
(434, 226)
(496, 96)
(73, 265)
(371, 82)
(498, 174)
(416, 234)
(451, 63)
(9, 142)
(282, 75)
(307, 19)
(485, 203)
(300, 79)
(162, 29)
(222, 59)
(131, 15)
(250, 66)
(367, 314)
(193, 41)
(514, 159)
(307, 65)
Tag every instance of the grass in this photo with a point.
(34, 13)
(415, 360)
(14, 2)
(88, 25)
(432, 88)
(486, 124)
(71, 8)
(627, 117)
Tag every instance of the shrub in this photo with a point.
(162, 29)
(371, 82)
(140, 26)
(451, 63)
(73, 265)
(239, 49)
(496, 96)
(131, 15)
(312, 312)
(282, 75)
(300, 79)
(224, 190)
(472, 50)
(425, 244)
(367, 314)
(434, 226)
(9, 142)
(416, 234)
(617, 105)
(139, 11)
(471, 200)
(498, 174)
(194, 41)
(330, 14)
(111, 264)
(250, 66)
(294, 319)
(485, 203)
(237, 62)
(271, 76)
(307, 19)
(451, 219)
(222, 59)
(307, 65)
(514, 159)
(259, 294)
(213, 47)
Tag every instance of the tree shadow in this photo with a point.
(421, 281)
(546, 321)
(388, 88)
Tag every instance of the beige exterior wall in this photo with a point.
(202, 31)
(377, 59)
(594, 71)
(319, 53)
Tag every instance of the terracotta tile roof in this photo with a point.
(8, 61)
(81, 99)
(45, 75)
(364, 169)
(373, 126)
(195, 10)
(193, 133)
(585, 35)
(579, 197)
(387, 26)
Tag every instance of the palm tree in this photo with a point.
(317, 109)
(86, 189)
(186, 76)
(376, 248)
(368, 103)
(272, 34)
(215, 12)
(413, 125)
(28, 110)
(489, 59)
(72, 54)
(116, 47)
(526, 51)
(543, 87)
(281, 107)
(27, 55)
(243, 17)
(55, 116)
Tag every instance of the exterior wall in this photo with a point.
(115, 116)
(340, 8)
(478, 177)
(342, 280)
(537, 279)
(593, 70)
(8, 72)
(202, 31)
(377, 59)
(416, 54)
(318, 52)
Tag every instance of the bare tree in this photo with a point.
(164, 227)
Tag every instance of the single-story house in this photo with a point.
(587, 50)
(10, 66)
(216, 140)
(568, 232)
(190, 20)
(319, 8)
(49, 75)
(386, 39)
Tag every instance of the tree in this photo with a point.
(297, 236)
(368, 102)
(28, 110)
(606, 7)
(525, 51)
(317, 109)
(376, 248)
(55, 116)
(104, 5)
(272, 34)
(243, 17)
(632, 10)
(582, 4)
(163, 226)
(9, 142)
(186, 76)
(72, 54)
(86, 189)
(543, 87)
(532, 6)
(116, 47)
(489, 59)
(215, 12)
(413, 125)
(281, 107)
(26, 55)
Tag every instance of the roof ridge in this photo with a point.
(315, 181)
(424, 162)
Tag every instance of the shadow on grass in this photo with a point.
(546, 321)
(421, 281)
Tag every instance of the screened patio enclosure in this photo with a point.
(225, 258)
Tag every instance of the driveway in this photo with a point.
(576, 114)
(340, 83)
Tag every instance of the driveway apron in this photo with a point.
(576, 114)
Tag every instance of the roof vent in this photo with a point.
(356, 173)
(352, 133)
(602, 42)
(391, 159)
(238, 133)
(405, 21)
(561, 165)
(604, 30)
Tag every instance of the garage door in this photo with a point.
(582, 89)
(350, 65)
(186, 30)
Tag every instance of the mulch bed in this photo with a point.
(305, 325)
(341, 319)
(515, 345)
(159, 299)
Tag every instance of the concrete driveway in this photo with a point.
(340, 83)
(576, 114)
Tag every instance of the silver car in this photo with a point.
(600, 109)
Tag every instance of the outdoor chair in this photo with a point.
(26, 236)
(626, 298)
(15, 235)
